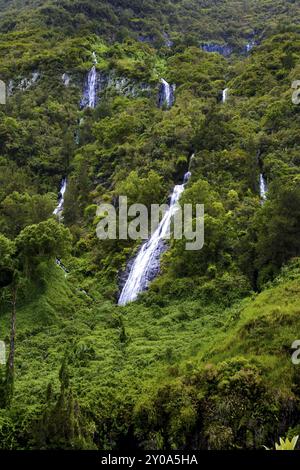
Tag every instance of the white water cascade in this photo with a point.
(61, 266)
(66, 79)
(262, 187)
(89, 99)
(249, 46)
(94, 58)
(92, 88)
(166, 94)
(146, 264)
(225, 95)
(61, 200)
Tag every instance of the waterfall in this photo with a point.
(28, 82)
(62, 266)
(146, 264)
(262, 187)
(191, 160)
(249, 46)
(61, 199)
(168, 41)
(95, 58)
(89, 99)
(66, 79)
(166, 94)
(2, 353)
(225, 95)
(90, 89)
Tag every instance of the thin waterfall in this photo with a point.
(58, 211)
(66, 79)
(166, 94)
(191, 160)
(90, 89)
(225, 95)
(146, 264)
(95, 58)
(61, 199)
(62, 266)
(249, 46)
(262, 187)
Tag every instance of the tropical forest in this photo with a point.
(116, 343)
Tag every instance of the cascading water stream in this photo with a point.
(90, 90)
(61, 200)
(89, 99)
(225, 95)
(262, 187)
(249, 46)
(58, 211)
(94, 58)
(146, 264)
(166, 94)
(66, 79)
(92, 87)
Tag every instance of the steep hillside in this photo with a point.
(188, 375)
(107, 99)
(233, 22)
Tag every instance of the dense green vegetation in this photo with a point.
(203, 358)
(183, 21)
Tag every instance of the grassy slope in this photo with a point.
(59, 318)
